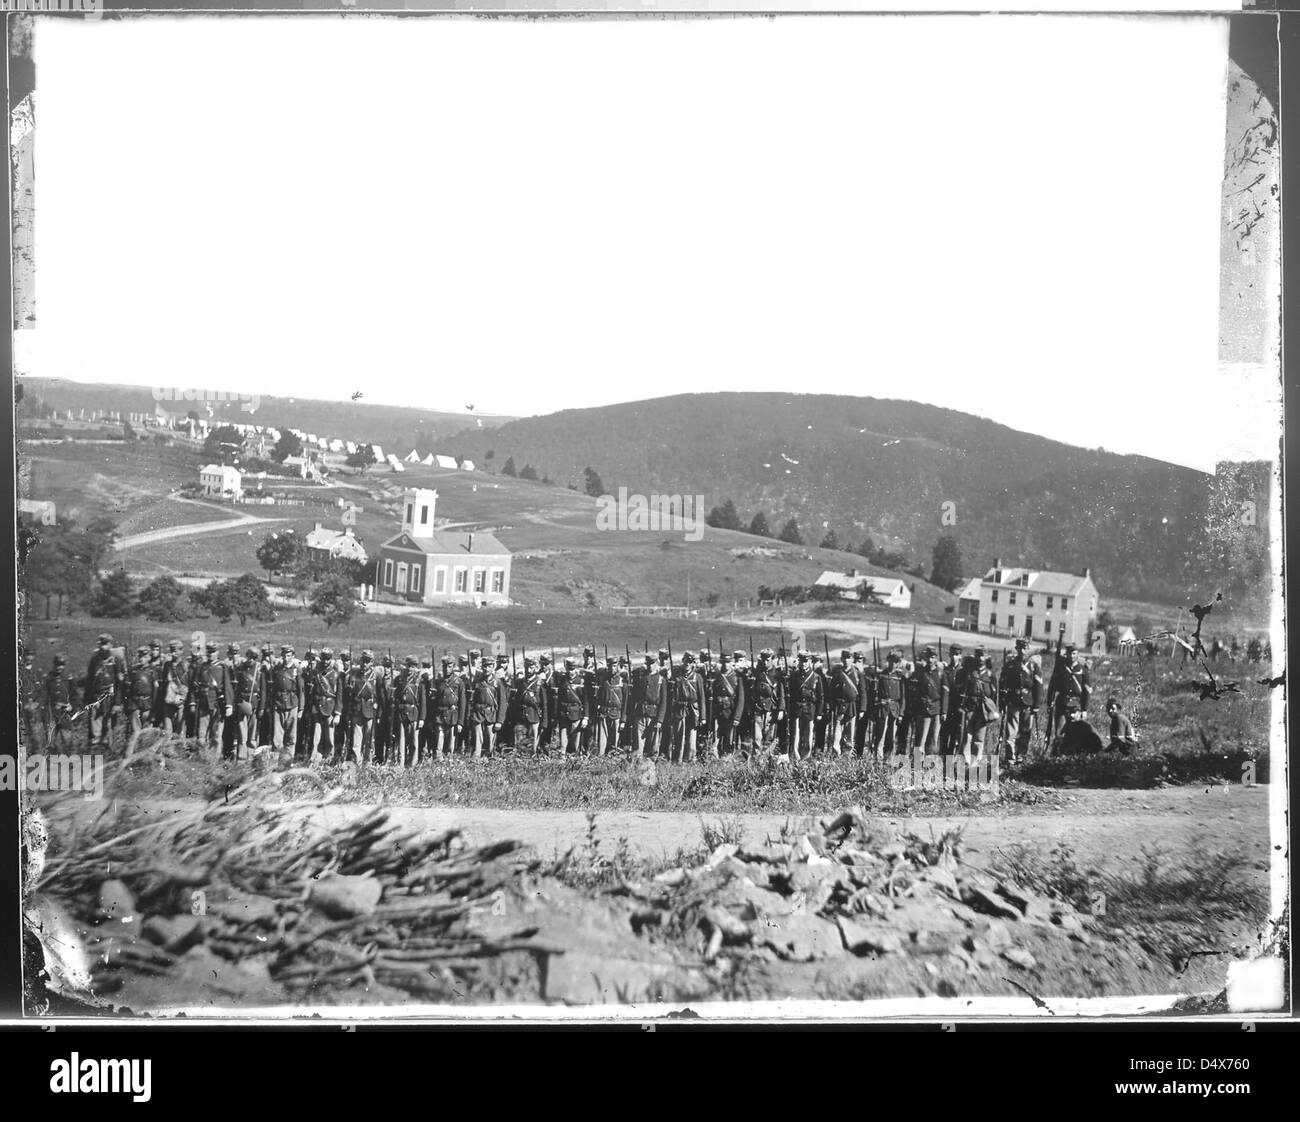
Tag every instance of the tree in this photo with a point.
(758, 525)
(867, 593)
(334, 601)
(592, 482)
(830, 541)
(115, 598)
(1106, 624)
(529, 472)
(509, 468)
(945, 569)
(280, 552)
(222, 443)
(161, 600)
(288, 445)
(489, 455)
(724, 517)
(61, 562)
(790, 533)
(867, 549)
(362, 458)
(244, 597)
(128, 430)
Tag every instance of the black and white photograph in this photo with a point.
(574, 517)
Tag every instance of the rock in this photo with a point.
(765, 854)
(1015, 894)
(245, 909)
(116, 904)
(1020, 957)
(861, 938)
(725, 850)
(342, 897)
(942, 879)
(982, 900)
(810, 847)
(733, 930)
(671, 877)
(802, 939)
(175, 934)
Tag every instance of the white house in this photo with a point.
(336, 543)
(1036, 604)
(968, 602)
(221, 481)
(891, 591)
(305, 466)
(441, 567)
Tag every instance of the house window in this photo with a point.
(440, 579)
(1049, 603)
(1013, 597)
(498, 580)
(462, 577)
(1011, 623)
(388, 574)
(1065, 603)
(1047, 627)
(480, 580)
(415, 578)
(424, 515)
(1031, 599)
(410, 512)
(995, 596)
(993, 619)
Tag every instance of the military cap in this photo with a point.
(105, 638)
(286, 648)
(724, 657)
(663, 653)
(502, 660)
(386, 659)
(232, 648)
(980, 650)
(411, 660)
(155, 645)
(60, 660)
(446, 660)
(426, 664)
(736, 656)
(569, 660)
(648, 658)
(311, 649)
(1021, 644)
(545, 659)
(589, 649)
(327, 652)
(175, 645)
(140, 650)
(1070, 648)
(475, 654)
(705, 654)
(928, 653)
(894, 656)
(266, 648)
(251, 652)
(955, 648)
(461, 660)
(211, 648)
(767, 652)
(529, 660)
(688, 657)
(845, 655)
(622, 660)
(802, 655)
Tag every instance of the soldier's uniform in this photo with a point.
(842, 707)
(248, 704)
(546, 681)
(927, 700)
(102, 692)
(530, 708)
(889, 705)
(572, 712)
(363, 704)
(979, 699)
(611, 708)
(807, 703)
(487, 711)
(322, 706)
(1068, 692)
(307, 670)
(446, 712)
(685, 710)
(648, 706)
(590, 686)
(174, 687)
(951, 686)
(343, 727)
(213, 697)
(726, 706)
(767, 702)
(58, 704)
(408, 711)
(1020, 695)
(286, 698)
(265, 728)
(158, 664)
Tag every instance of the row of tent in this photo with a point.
(449, 462)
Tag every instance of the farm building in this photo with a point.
(336, 543)
(891, 591)
(968, 602)
(306, 467)
(1036, 604)
(441, 566)
(221, 481)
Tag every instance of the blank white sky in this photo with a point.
(1013, 216)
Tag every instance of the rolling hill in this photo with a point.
(904, 473)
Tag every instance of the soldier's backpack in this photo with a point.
(141, 687)
(177, 691)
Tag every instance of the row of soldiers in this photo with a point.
(328, 706)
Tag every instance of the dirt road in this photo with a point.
(132, 541)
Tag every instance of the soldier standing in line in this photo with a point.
(842, 706)
(648, 706)
(726, 706)
(174, 687)
(58, 704)
(322, 705)
(505, 738)
(264, 730)
(408, 710)
(102, 692)
(767, 701)
(486, 711)
(1020, 694)
(1069, 691)
(862, 708)
(248, 703)
(363, 705)
(611, 707)
(447, 713)
(286, 700)
(546, 675)
(343, 727)
(530, 708)
(980, 703)
(139, 693)
(807, 702)
(572, 715)
(928, 702)
(30, 689)
(685, 710)
(383, 708)
(213, 695)
(889, 705)
(307, 671)
(423, 751)
(950, 712)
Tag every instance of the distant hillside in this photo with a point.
(885, 468)
(396, 427)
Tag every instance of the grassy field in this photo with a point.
(166, 512)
